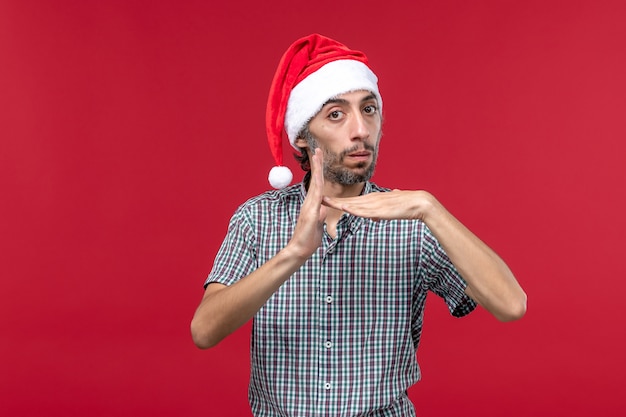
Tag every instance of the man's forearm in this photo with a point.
(226, 308)
(490, 281)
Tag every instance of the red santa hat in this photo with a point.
(313, 70)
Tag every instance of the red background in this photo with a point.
(130, 131)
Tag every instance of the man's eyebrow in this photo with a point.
(369, 97)
(337, 100)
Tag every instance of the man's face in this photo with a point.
(348, 130)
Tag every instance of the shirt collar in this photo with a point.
(353, 221)
(366, 190)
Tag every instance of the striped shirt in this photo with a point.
(339, 337)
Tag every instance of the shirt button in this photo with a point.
(328, 344)
(327, 386)
(329, 299)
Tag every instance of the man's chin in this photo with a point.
(350, 177)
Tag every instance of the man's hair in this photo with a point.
(302, 155)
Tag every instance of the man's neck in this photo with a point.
(332, 189)
(338, 190)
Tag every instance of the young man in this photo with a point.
(335, 271)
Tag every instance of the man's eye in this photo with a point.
(370, 109)
(335, 115)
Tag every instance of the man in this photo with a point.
(335, 271)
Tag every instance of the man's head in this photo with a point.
(314, 71)
(348, 130)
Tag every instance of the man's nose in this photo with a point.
(359, 130)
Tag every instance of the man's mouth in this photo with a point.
(360, 155)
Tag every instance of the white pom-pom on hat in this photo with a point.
(313, 70)
(280, 177)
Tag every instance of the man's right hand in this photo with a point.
(307, 236)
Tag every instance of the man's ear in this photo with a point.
(301, 143)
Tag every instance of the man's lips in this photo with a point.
(360, 155)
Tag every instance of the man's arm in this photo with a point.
(490, 282)
(224, 309)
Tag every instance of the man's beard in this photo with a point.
(334, 171)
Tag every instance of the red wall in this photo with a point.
(130, 131)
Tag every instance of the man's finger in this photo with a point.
(317, 176)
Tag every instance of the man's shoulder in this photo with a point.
(290, 195)
(277, 198)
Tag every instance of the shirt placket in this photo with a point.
(328, 382)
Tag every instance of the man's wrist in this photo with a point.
(425, 205)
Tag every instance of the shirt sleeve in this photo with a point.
(441, 277)
(236, 257)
